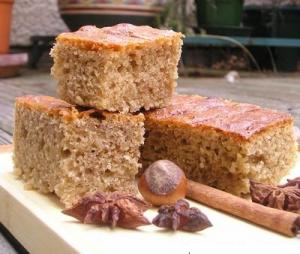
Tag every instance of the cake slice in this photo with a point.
(120, 68)
(221, 143)
(70, 151)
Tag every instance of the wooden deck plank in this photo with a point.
(280, 93)
(5, 138)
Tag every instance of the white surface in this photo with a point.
(37, 222)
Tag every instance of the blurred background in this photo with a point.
(221, 35)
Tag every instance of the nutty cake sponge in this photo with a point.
(69, 151)
(120, 68)
(221, 143)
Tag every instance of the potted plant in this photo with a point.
(5, 21)
(221, 17)
(9, 63)
(109, 12)
(219, 12)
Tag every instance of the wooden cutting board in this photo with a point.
(37, 222)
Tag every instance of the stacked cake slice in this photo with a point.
(121, 68)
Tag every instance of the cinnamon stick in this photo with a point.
(283, 222)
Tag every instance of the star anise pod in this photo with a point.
(284, 197)
(181, 216)
(115, 209)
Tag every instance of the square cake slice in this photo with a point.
(221, 143)
(70, 151)
(120, 68)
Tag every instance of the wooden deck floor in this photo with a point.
(274, 92)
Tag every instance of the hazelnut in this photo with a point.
(163, 182)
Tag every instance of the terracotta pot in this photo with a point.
(5, 20)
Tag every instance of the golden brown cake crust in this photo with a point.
(239, 120)
(115, 37)
(68, 112)
(48, 105)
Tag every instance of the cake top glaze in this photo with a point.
(116, 37)
(59, 108)
(238, 119)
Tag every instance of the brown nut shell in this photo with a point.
(163, 182)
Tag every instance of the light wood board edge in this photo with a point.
(6, 148)
(31, 232)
